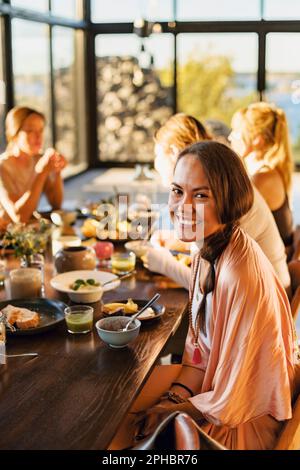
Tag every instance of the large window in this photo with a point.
(65, 92)
(283, 81)
(217, 74)
(135, 82)
(219, 67)
(57, 92)
(31, 68)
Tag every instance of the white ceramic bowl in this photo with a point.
(139, 247)
(86, 296)
(117, 339)
(62, 283)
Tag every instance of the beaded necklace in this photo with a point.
(195, 332)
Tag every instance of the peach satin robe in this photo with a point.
(247, 387)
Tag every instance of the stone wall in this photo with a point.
(132, 105)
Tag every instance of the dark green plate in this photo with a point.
(51, 314)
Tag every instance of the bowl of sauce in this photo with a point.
(110, 331)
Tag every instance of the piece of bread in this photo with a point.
(11, 313)
(21, 317)
(27, 319)
(129, 308)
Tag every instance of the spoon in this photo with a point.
(119, 277)
(154, 299)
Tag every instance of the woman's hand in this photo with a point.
(169, 240)
(156, 259)
(51, 161)
(147, 421)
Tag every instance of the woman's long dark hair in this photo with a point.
(233, 194)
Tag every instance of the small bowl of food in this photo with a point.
(139, 247)
(110, 331)
(85, 286)
(89, 291)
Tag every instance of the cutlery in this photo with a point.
(152, 301)
(119, 277)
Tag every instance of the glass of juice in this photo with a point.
(79, 318)
(123, 263)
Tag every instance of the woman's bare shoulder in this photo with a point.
(270, 185)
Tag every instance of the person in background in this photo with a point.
(241, 334)
(180, 131)
(260, 136)
(25, 170)
(177, 133)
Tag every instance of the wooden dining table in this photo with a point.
(77, 391)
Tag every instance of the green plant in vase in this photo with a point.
(27, 240)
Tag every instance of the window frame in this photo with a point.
(88, 60)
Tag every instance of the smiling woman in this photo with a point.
(199, 182)
(192, 205)
(241, 332)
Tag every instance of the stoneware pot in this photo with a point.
(75, 258)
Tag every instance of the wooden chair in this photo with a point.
(178, 431)
(189, 436)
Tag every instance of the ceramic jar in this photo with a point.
(75, 258)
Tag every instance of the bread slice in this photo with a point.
(22, 317)
(27, 319)
(11, 313)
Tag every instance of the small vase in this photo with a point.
(75, 258)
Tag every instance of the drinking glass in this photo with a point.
(79, 319)
(36, 261)
(123, 263)
(104, 251)
(25, 283)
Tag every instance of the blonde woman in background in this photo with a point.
(179, 132)
(176, 134)
(25, 171)
(260, 136)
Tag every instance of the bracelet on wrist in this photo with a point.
(174, 397)
(178, 384)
